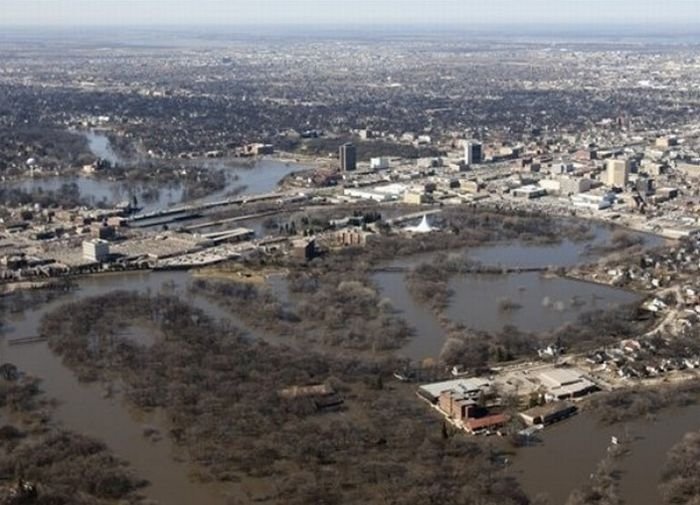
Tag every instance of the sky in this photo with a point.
(476, 13)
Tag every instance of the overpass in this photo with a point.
(195, 207)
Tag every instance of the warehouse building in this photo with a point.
(565, 383)
(471, 387)
(548, 414)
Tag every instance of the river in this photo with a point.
(84, 408)
(261, 176)
(100, 145)
(568, 454)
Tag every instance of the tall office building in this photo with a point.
(472, 152)
(617, 172)
(348, 157)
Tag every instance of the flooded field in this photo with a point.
(541, 303)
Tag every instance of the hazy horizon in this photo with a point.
(649, 15)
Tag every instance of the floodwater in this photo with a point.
(101, 147)
(261, 176)
(84, 408)
(107, 192)
(541, 303)
(567, 253)
(428, 336)
(568, 455)
(545, 303)
(569, 452)
(528, 255)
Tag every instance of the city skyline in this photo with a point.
(57, 13)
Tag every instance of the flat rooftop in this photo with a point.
(471, 385)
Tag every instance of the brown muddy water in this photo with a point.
(544, 303)
(568, 455)
(85, 408)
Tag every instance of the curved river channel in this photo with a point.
(568, 454)
(261, 176)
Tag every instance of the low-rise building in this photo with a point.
(349, 237)
(304, 248)
(574, 185)
(689, 169)
(667, 142)
(469, 186)
(414, 198)
(470, 387)
(321, 396)
(565, 383)
(593, 201)
(457, 405)
(96, 250)
(486, 423)
(381, 163)
(550, 185)
(259, 149)
(102, 231)
(530, 191)
(548, 414)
